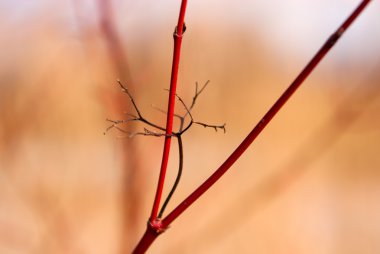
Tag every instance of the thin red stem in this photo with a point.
(155, 226)
(265, 120)
(169, 121)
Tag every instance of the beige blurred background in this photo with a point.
(309, 184)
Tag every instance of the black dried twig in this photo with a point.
(181, 130)
(215, 127)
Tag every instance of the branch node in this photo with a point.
(156, 226)
(176, 34)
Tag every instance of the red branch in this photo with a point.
(156, 226)
(169, 121)
(265, 120)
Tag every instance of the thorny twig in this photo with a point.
(197, 93)
(181, 130)
(215, 127)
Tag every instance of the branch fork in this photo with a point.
(156, 225)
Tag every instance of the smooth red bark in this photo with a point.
(178, 33)
(265, 120)
(155, 226)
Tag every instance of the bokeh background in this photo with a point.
(309, 184)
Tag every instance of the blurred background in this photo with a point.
(309, 184)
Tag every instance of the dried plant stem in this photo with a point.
(177, 179)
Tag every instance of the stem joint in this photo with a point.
(156, 226)
(180, 33)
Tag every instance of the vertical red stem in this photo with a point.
(169, 121)
(265, 120)
(154, 227)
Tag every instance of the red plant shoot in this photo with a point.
(266, 119)
(157, 226)
(178, 33)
